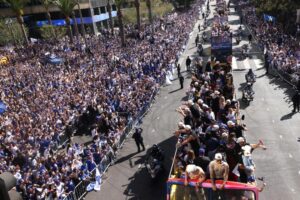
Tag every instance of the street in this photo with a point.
(268, 118)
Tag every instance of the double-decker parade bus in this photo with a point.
(221, 37)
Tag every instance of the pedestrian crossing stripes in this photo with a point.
(248, 63)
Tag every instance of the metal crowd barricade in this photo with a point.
(80, 190)
(71, 196)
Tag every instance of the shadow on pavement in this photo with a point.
(141, 186)
(287, 116)
(243, 104)
(262, 75)
(242, 86)
(175, 90)
(124, 158)
(186, 98)
(282, 85)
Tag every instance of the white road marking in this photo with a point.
(257, 61)
(157, 117)
(247, 63)
(234, 64)
(280, 136)
(153, 130)
(292, 189)
(290, 155)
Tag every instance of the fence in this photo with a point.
(108, 160)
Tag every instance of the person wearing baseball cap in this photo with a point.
(219, 170)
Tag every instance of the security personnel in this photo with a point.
(181, 80)
(296, 101)
(137, 136)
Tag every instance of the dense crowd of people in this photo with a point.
(211, 135)
(107, 84)
(282, 50)
(211, 141)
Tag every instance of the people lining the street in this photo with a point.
(97, 89)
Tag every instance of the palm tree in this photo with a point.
(110, 21)
(66, 7)
(17, 7)
(81, 23)
(148, 4)
(138, 16)
(120, 20)
(46, 4)
(75, 24)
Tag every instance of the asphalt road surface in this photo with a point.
(268, 118)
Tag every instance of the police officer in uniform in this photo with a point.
(137, 136)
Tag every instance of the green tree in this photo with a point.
(66, 7)
(47, 31)
(17, 7)
(75, 24)
(120, 21)
(11, 33)
(149, 7)
(81, 22)
(138, 15)
(47, 4)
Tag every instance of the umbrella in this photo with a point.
(3, 107)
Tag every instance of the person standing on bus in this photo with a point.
(195, 173)
(218, 170)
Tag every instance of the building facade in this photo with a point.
(94, 12)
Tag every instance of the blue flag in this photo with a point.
(3, 107)
(269, 18)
